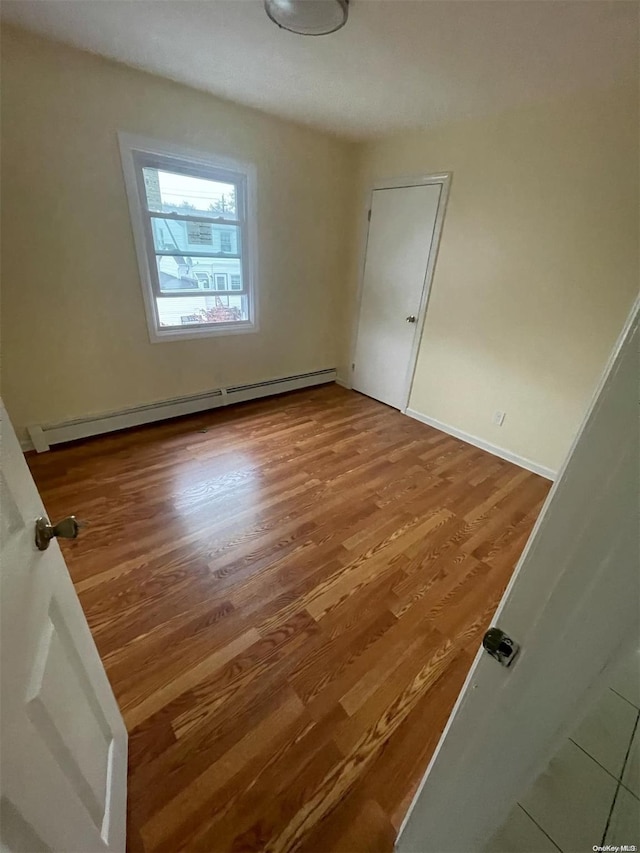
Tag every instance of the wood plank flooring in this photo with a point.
(287, 596)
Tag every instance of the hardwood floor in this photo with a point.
(287, 596)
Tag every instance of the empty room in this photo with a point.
(319, 334)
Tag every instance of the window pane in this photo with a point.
(171, 192)
(199, 310)
(182, 272)
(214, 237)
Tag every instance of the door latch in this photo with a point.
(500, 646)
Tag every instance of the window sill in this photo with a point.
(190, 333)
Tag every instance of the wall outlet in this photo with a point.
(498, 418)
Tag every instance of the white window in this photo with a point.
(194, 229)
(225, 241)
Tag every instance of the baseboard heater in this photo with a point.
(44, 435)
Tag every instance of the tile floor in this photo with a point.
(589, 795)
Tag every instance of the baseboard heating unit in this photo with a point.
(44, 435)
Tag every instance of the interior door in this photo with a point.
(399, 244)
(62, 739)
(572, 604)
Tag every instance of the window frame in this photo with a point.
(136, 153)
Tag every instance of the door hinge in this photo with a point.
(353, 365)
(369, 216)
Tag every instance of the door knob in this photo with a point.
(68, 528)
(500, 646)
(411, 318)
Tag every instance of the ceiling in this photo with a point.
(397, 64)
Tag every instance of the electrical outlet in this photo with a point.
(498, 418)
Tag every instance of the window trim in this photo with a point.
(133, 150)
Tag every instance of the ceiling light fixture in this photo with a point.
(308, 17)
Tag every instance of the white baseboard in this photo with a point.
(344, 383)
(26, 444)
(484, 445)
(42, 436)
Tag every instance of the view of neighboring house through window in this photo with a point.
(194, 228)
(225, 241)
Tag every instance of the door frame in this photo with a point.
(444, 179)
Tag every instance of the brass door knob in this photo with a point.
(68, 528)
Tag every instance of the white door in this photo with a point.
(572, 604)
(398, 263)
(63, 744)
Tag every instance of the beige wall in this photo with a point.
(538, 264)
(74, 336)
(537, 268)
